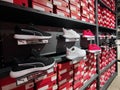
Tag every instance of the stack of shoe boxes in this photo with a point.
(107, 56)
(84, 10)
(43, 5)
(61, 7)
(47, 81)
(106, 75)
(65, 75)
(105, 17)
(9, 83)
(110, 4)
(75, 9)
(78, 74)
(83, 71)
(91, 7)
(18, 2)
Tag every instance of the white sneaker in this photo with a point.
(75, 53)
(70, 33)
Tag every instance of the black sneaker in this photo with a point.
(24, 67)
(30, 33)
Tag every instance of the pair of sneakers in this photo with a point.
(21, 67)
(93, 48)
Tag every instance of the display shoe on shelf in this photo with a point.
(30, 33)
(75, 53)
(88, 34)
(70, 34)
(93, 48)
(32, 64)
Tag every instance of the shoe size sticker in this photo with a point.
(22, 80)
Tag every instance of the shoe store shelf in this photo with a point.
(101, 28)
(108, 66)
(15, 13)
(104, 5)
(89, 82)
(109, 81)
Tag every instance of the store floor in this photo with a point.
(115, 85)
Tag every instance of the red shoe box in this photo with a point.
(85, 12)
(48, 82)
(60, 83)
(40, 86)
(60, 3)
(75, 3)
(75, 16)
(62, 13)
(10, 84)
(91, 3)
(84, 19)
(28, 86)
(84, 3)
(64, 65)
(66, 86)
(46, 3)
(18, 2)
(54, 87)
(65, 9)
(74, 9)
(41, 7)
(78, 84)
(66, 75)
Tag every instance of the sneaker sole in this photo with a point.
(94, 51)
(69, 37)
(88, 36)
(76, 58)
(30, 37)
(27, 71)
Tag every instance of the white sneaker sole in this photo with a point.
(70, 37)
(88, 36)
(30, 37)
(27, 71)
(94, 51)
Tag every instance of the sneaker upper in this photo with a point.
(94, 47)
(31, 31)
(32, 62)
(88, 33)
(70, 33)
(75, 52)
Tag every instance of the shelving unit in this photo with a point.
(26, 15)
(108, 66)
(104, 5)
(109, 81)
(89, 82)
